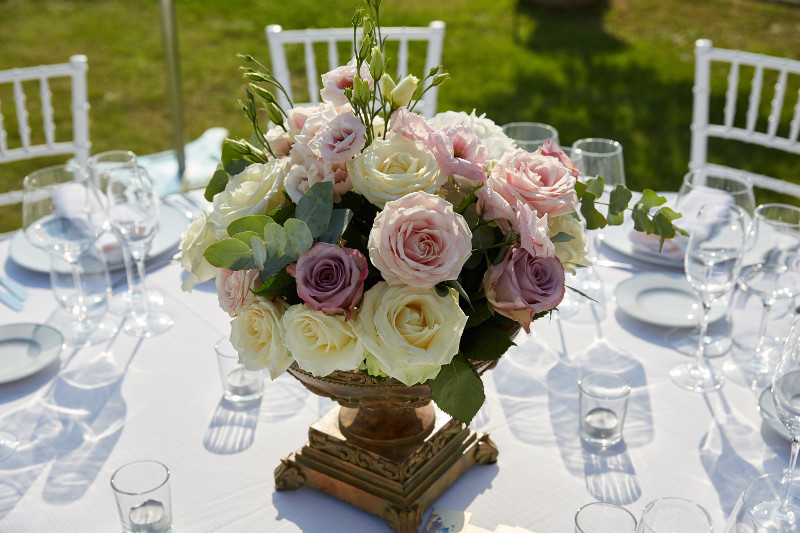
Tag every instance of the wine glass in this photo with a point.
(754, 510)
(133, 215)
(530, 136)
(769, 271)
(674, 515)
(8, 444)
(85, 298)
(102, 165)
(711, 261)
(700, 187)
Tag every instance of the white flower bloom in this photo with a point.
(254, 191)
(490, 134)
(410, 331)
(194, 241)
(258, 336)
(570, 253)
(321, 343)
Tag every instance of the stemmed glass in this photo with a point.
(786, 396)
(698, 188)
(133, 215)
(711, 262)
(754, 511)
(769, 271)
(102, 166)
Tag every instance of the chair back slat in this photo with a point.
(21, 106)
(311, 71)
(333, 54)
(3, 134)
(731, 94)
(755, 98)
(402, 59)
(776, 107)
(48, 124)
(794, 125)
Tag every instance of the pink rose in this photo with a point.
(330, 278)
(523, 285)
(234, 289)
(410, 125)
(419, 240)
(551, 148)
(459, 151)
(306, 169)
(335, 81)
(534, 232)
(540, 181)
(339, 140)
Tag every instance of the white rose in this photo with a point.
(321, 343)
(254, 191)
(194, 241)
(258, 336)
(389, 170)
(411, 331)
(571, 253)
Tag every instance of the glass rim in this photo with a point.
(66, 167)
(542, 125)
(677, 499)
(138, 462)
(616, 147)
(223, 354)
(132, 157)
(625, 384)
(747, 185)
(602, 504)
(763, 207)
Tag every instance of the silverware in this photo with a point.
(15, 288)
(10, 300)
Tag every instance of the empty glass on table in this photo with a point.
(711, 262)
(530, 136)
(674, 515)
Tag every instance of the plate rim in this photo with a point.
(673, 276)
(42, 362)
(33, 266)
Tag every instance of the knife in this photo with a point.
(10, 300)
(15, 288)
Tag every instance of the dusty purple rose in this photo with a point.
(522, 285)
(330, 278)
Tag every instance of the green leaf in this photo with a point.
(254, 223)
(217, 184)
(480, 312)
(580, 188)
(595, 186)
(641, 222)
(315, 207)
(662, 226)
(594, 219)
(616, 220)
(298, 237)
(232, 160)
(459, 289)
(272, 266)
(561, 237)
(482, 237)
(259, 251)
(457, 389)
(276, 239)
(619, 198)
(246, 236)
(340, 218)
(442, 290)
(232, 254)
(669, 213)
(650, 200)
(277, 285)
(485, 344)
(573, 289)
(281, 214)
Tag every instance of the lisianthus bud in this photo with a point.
(376, 64)
(440, 78)
(360, 90)
(387, 86)
(274, 113)
(263, 93)
(401, 95)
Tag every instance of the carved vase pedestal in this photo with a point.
(385, 448)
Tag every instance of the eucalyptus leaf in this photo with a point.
(315, 207)
(272, 266)
(641, 222)
(254, 223)
(619, 199)
(650, 199)
(259, 251)
(561, 237)
(298, 237)
(662, 226)
(277, 285)
(276, 239)
(457, 389)
(232, 254)
(594, 219)
(616, 220)
(485, 344)
(580, 188)
(595, 186)
(340, 218)
(246, 236)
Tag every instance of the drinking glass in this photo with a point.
(754, 510)
(84, 298)
(530, 136)
(700, 187)
(786, 397)
(674, 515)
(711, 262)
(102, 166)
(602, 517)
(600, 158)
(133, 215)
(769, 271)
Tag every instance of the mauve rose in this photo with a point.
(459, 152)
(234, 289)
(340, 139)
(523, 285)
(534, 232)
(335, 81)
(330, 278)
(410, 125)
(542, 182)
(551, 148)
(419, 240)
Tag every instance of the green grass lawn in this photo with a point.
(623, 70)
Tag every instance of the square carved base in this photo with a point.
(397, 484)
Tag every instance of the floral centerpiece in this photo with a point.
(356, 235)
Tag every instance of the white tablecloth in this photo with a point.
(160, 398)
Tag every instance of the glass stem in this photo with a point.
(701, 343)
(128, 260)
(762, 328)
(138, 290)
(80, 315)
(787, 490)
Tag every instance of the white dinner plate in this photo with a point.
(171, 224)
(27, 348)
(663, 299)
(766, 407)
